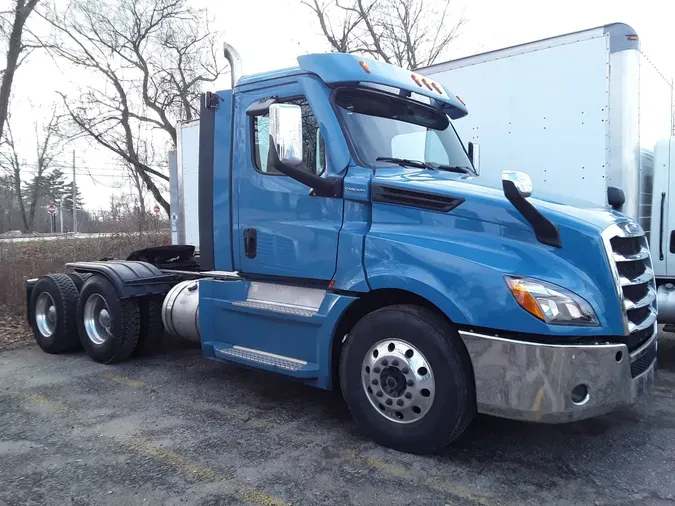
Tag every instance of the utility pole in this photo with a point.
(61, 214)
(74, 198)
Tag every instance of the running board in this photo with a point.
(264, 360)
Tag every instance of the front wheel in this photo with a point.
(407, 379)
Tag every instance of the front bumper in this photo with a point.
(531, 381)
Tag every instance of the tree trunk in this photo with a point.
(150, 184)
(21, 13)
(31, 216)
(19, 198)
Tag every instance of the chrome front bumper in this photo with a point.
(534, 382)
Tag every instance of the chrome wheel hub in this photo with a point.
(398, 381)
(96, 319)
(45, 314)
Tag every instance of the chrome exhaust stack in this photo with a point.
(235, 62)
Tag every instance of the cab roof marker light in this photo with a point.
(417, 80)
(460, 99)
(632, 37)
(364, 66)
(426, 83)
(437, 87)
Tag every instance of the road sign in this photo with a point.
(156, 209)
(51, 208)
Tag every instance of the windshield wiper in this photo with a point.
(450, 168)
(425, 165)
(403, 162)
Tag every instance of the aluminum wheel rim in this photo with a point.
(97, 319)
(398, 381)
(46, 317)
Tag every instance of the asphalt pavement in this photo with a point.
(178, 429)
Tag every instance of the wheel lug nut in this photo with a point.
(376, 369)
(394, 363)
(379, 393)
(388, 402)
(405, 370)
(385, 362)
(409, 383)
(408, 395)
(399, 402)
(375, 382)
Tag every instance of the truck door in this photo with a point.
(280, 228)
(662, 236)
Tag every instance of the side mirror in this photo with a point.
(615, 197)
(286, 132)
(522, 181)
(474, 156)
(285, 151)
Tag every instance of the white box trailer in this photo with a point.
(579, 113)
(184, 176)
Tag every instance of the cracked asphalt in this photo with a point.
(178, 429)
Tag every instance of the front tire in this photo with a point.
(53, 308)
(407, 379)
(108, 326)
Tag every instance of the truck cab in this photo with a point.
(347, 241)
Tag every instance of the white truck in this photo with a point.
(586, 114)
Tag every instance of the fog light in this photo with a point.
(580, 394)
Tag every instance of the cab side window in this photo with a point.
(313, 149)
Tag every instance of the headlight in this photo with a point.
(551, 303)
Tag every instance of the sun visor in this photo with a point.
(340, 68)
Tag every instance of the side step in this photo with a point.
(264, 360)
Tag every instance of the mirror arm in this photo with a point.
(546, 232)
(321, 186)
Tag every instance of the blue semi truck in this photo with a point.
(347, 241)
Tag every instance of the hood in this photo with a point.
(484, 199)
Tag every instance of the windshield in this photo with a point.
(381, 125)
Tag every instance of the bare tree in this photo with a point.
(27, 191)
(151, 58)
(15, 48)
(9, 161)
(407, 33)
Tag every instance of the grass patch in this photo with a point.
(20, 261)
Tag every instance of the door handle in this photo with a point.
(663, 207)
(250, 242)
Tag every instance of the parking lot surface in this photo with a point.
(178, 429)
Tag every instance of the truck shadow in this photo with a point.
(666, 359)
(488, 439)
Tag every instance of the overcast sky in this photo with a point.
(269, 34)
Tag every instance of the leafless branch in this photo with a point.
(15, 47)
(408, 33)
(151, 58)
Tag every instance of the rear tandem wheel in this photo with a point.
(108, 326)
(53, 306)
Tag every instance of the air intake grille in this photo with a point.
(645, 360)
(411, 198)
(632, 267)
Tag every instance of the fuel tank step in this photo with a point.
(264, 360)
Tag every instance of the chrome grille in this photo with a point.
(631, 266)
